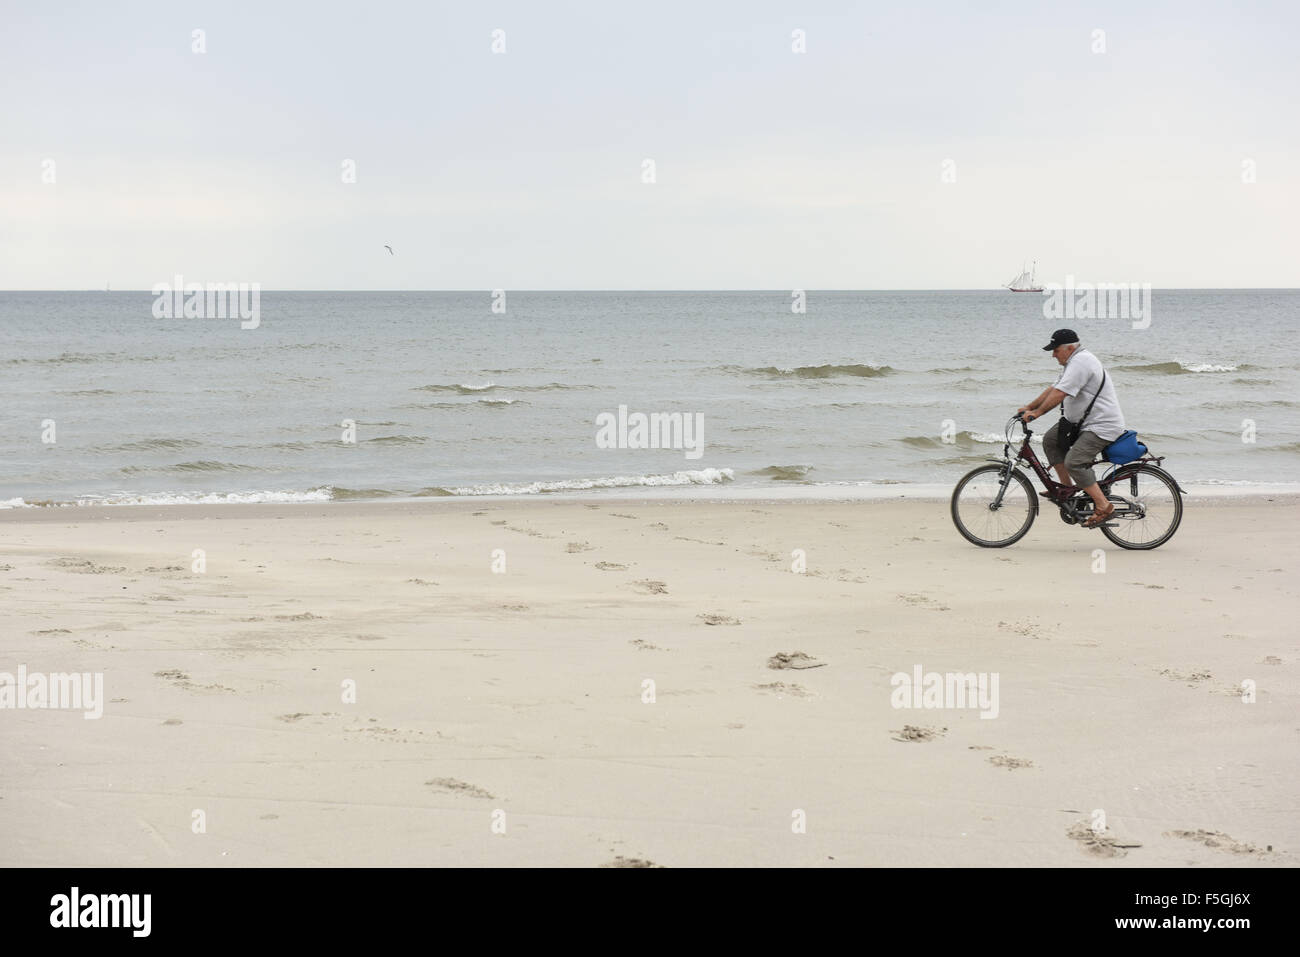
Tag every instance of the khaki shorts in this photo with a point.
(1078, 461)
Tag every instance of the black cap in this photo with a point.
(1061, 337)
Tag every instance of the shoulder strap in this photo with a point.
(1094, 397)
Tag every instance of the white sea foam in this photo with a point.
(15, 503)
(684, 477)
(208, 498)
(992, 438)
(1206, 367)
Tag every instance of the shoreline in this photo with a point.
(1196, 494)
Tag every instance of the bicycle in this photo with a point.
(993, 506)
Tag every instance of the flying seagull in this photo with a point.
(389, 248)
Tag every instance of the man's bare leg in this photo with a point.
(1063, 473)
(1099, 500)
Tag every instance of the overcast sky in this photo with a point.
(523, 170)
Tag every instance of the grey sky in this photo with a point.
(523, 170)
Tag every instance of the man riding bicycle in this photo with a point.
(1090, 401)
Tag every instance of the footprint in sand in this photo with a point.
(85, 567)
(710, 619)
(515, 607)
(1026, 628)
(650, 587)
(1099, 843)
(291, 718)
(301, 616)
(419, 581)
(532, 532)
(611, 567)
(574, 547)
(911, 732)
(458, 787)
(642, 645)
(794, 660)
(182, 680)
(1192, 678)
(53, 631)
(621, 515)
(1010, 763)
(621, 861)
(1219, 841)
(923, 601)
(780, 688)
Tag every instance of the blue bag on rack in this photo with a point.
(1125, 449)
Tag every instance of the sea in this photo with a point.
(339, 396)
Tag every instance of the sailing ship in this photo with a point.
(1025, 282)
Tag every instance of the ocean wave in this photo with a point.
(460, 388)
(1178, 367)
(398, 440)
(784, 473)
(961, 438)
(815, 372)
(15, 503)
(206, 498)
(71, 358)
(339, 494)
(496, 401)
(550, 387)
(684, 477)
(149, 445)
(466, 389)
(203, 465)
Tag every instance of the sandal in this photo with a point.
(1099, 517)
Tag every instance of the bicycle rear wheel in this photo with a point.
(1148, 506)
(977, 519)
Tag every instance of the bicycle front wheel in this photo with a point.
(990, 525)
(1148, 507)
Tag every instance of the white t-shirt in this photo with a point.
(1079, 380)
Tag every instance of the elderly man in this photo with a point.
(1087, 392)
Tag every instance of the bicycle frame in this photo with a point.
(1059, 493)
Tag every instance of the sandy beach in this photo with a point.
(500, 653)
